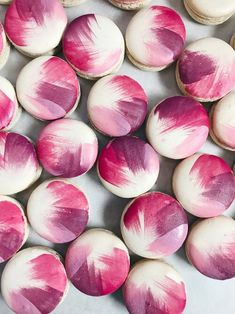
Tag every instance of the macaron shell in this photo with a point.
(232, 42)
(71, 3)
(4, 47)
(130, 4)
(5, 1)
(210, 247)
(154, 287)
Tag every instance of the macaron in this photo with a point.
(4, 47)
(204, 185)
(97, 262)
(127, 166)
(154, 225)
(34, 27)
(94, 46)
(34, 281)
(64, 214)
(117, 105)
(177, 127)
(232, 42)
(206, 70)
(71, 3)
(155, 38)
(223, 122)
(154, 287)
(210, 12)
(210, 247)
(10, 110)
(48, 88)
(129, 4)
(19, 166)
(67, 148)
(14, 227)
(5, 1)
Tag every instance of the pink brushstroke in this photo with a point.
(7, 110)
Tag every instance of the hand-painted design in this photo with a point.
(204, 185)
(38, 288)
(161, 37)
(154, 287)
(154, 225)
(35, 27)
(178, 127)
(19, 166)
(128, 166)
(206, 69)
(13, 227)
(64, 214)
(48, 88)
(215, 256)
(93, 45)
(67, 148)
(117, 105)
(97, 267)
(4, 47)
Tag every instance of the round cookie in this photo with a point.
(232, 42)
(19, 166)
(94, 46)
(48, 88)
(204, 185)
(10, 110)
(154, 225)
(4, 47)
(210, 12)
(37, 31)
(128, 166)
(64, 214)
(117, 105)
(210, 247)
(160, 41)
(206, 70)
(14, 227)
(223, 122)
(71, 3)
(67, 148)
(97, 262)
(34, 281)
(130, 4)
(154, 287)
(177, 127)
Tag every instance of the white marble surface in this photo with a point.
(205, 296)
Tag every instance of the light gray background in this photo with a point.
(205, 296)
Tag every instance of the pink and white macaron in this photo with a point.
(9, 108)
(155, 38)
(71, 3)
(19, 166)
(48, 88)
(117, 105)
(34, 27)
(154, 225)
(177, 127)
(210, 247)
(154, 287)
(206, 69)
(14, 227)
(67, 148)
(64, 214)
(204, 185)
(128, 166)
(129, 4)
(94, 46)
(97, 262)
(223, 122)
(4, 47)
(34, 281)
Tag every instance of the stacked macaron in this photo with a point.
(129, 4)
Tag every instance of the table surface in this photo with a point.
(204, 295)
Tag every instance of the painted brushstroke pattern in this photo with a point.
(67, 148)
(117, 105)
(93, 45)
(154, 287)
(154, 225)
(128, 166)
(64, 214)
(97, 267)
(178, 127)
(30, 286)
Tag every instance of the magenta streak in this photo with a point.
(7, 110)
